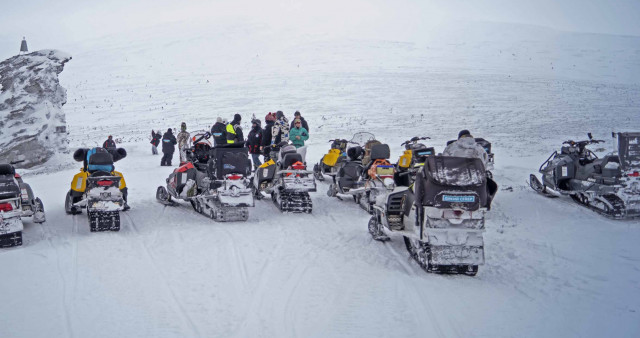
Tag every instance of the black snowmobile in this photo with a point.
(347, 175)
(412, 160)
(216, 181)
(608, 185)
(98, 188)
(16, 201)
(287, 180)
(441, 216)
(329, 164)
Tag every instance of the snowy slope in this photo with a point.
(552, 268)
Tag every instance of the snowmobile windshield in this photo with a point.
(362, 137)
(200, 137)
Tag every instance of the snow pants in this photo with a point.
(256, 160)
(166, 159)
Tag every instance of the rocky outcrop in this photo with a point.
(32, 122)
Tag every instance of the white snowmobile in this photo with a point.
(98, 188)
(16, 201)
(287, 181)
(441, 216)
(216, 181)
(608, 185)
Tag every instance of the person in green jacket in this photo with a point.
(298, 134)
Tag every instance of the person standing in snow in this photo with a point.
(234, 130)
(183, 142)
(254, 142)
(168, 147)
(219, 132)
(280, 129)
(269, 120)
(155, 140)
(298, 116)
(298, 134)
(109, 144)
(466, 146)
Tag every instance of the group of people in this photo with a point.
(259, 140)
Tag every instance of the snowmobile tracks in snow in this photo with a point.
(293, 201)
(213, 209)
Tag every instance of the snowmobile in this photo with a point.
(441, 216)
(16, 201)
(377, 176)
(608, 185)
(287, 181)
(348, 173)
(98, 188)
(215, 180)
(412, 160)
(328, 165)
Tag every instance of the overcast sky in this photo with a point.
(62, 22)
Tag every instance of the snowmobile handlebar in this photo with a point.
(582, 143)
(415, 139)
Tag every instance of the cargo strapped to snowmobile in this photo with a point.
(629, 150)
(448, 182)
(228, 160)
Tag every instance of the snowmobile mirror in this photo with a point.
(119, 154)
(80, 154)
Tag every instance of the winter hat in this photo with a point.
(297, 113)
(237, 117)
(256, 122)
(219, 119)
(279, 114)
(270, 117)
(464, 132)
(169, 130)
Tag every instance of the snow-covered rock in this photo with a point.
(32, 122)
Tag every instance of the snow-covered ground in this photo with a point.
(552, 267)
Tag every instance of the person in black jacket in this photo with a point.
(297, 115)
(254, 142)
(269, 120)
(155, 140)
(168, 147)
(234, 130)
(219, 132)
(109, 144)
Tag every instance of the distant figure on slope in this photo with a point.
(168, 147)
(466, 146)
(183, 142)
(155, 140)
(23, 46)
(109, 144)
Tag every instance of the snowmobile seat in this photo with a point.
(290, 158)
(447, 182)
(10, 188)
(349, 174)
(380, 152)
(99, 160)
(7, 169)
